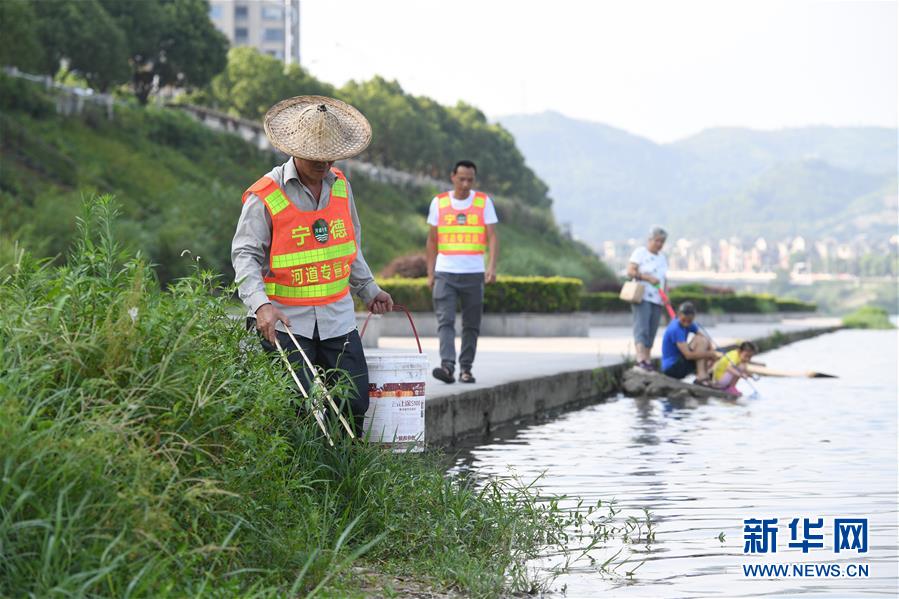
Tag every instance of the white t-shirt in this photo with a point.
(461, 263)
(651, 264)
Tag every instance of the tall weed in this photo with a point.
(149, 448)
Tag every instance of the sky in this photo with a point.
(663, 69)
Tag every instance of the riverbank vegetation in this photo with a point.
(868, 317)
(179, 185)
(151, 449)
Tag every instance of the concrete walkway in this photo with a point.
(507, 359)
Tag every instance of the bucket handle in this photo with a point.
(396, 308)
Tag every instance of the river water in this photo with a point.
(803, 448)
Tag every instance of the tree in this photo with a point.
(20, 43)
(169, 42)
(252, 82)
(81, 35)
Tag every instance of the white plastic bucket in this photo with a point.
(396, 395)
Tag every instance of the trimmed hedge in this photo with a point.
(743, 303)
(559, 294)
(793, 305)
(508, 294)
(603, 301)
(533, 294)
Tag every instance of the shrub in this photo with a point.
(412, 266)
(736, 303)
(701, 289)
(411, 293)
(533, 294)
(23, 96)
(508, 294)
(603, 301)
(794, 305)
(868, 317)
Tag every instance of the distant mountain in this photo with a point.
(809, 197)
(610, 184)
(865, 149)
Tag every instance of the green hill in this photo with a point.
(179, 185)
(810, 197)
(835, 181)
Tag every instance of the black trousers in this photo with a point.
(344, 352)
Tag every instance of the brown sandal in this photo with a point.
(466, 377)
(442, 373)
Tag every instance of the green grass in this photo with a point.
(149, 448)
(179, 185)
(868, 317)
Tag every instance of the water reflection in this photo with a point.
(805, 448)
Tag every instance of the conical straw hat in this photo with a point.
(317, 128)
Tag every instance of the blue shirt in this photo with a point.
(674, 334)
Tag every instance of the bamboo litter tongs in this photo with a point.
(316, 408)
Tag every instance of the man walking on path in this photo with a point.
(463, 227)
(296, 254)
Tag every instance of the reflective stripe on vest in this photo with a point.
(311, 251)
(313, 291)
(312, 256)
(461, 232)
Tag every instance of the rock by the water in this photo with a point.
(641, 383)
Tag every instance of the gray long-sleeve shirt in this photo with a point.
(250, 258)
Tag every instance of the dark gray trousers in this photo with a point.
(468, 289)
(344, 352)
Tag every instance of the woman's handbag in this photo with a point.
(632, 291)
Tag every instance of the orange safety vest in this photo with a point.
(461, 232)
(312, 251)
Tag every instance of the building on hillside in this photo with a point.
(270, 26)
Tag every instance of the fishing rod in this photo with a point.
(665, 300)
(705, 332)
(316, 411)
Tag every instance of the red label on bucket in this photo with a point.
(396, 389)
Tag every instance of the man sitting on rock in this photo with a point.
(681, 357)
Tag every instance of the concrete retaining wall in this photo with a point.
(521, 324)
(450, 419)
(453, 417)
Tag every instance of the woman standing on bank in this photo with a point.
(649, 266)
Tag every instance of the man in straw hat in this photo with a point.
(296, 253)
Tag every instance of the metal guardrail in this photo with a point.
(72, 100)
(69, 99)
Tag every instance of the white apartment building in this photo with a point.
(271, 26)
